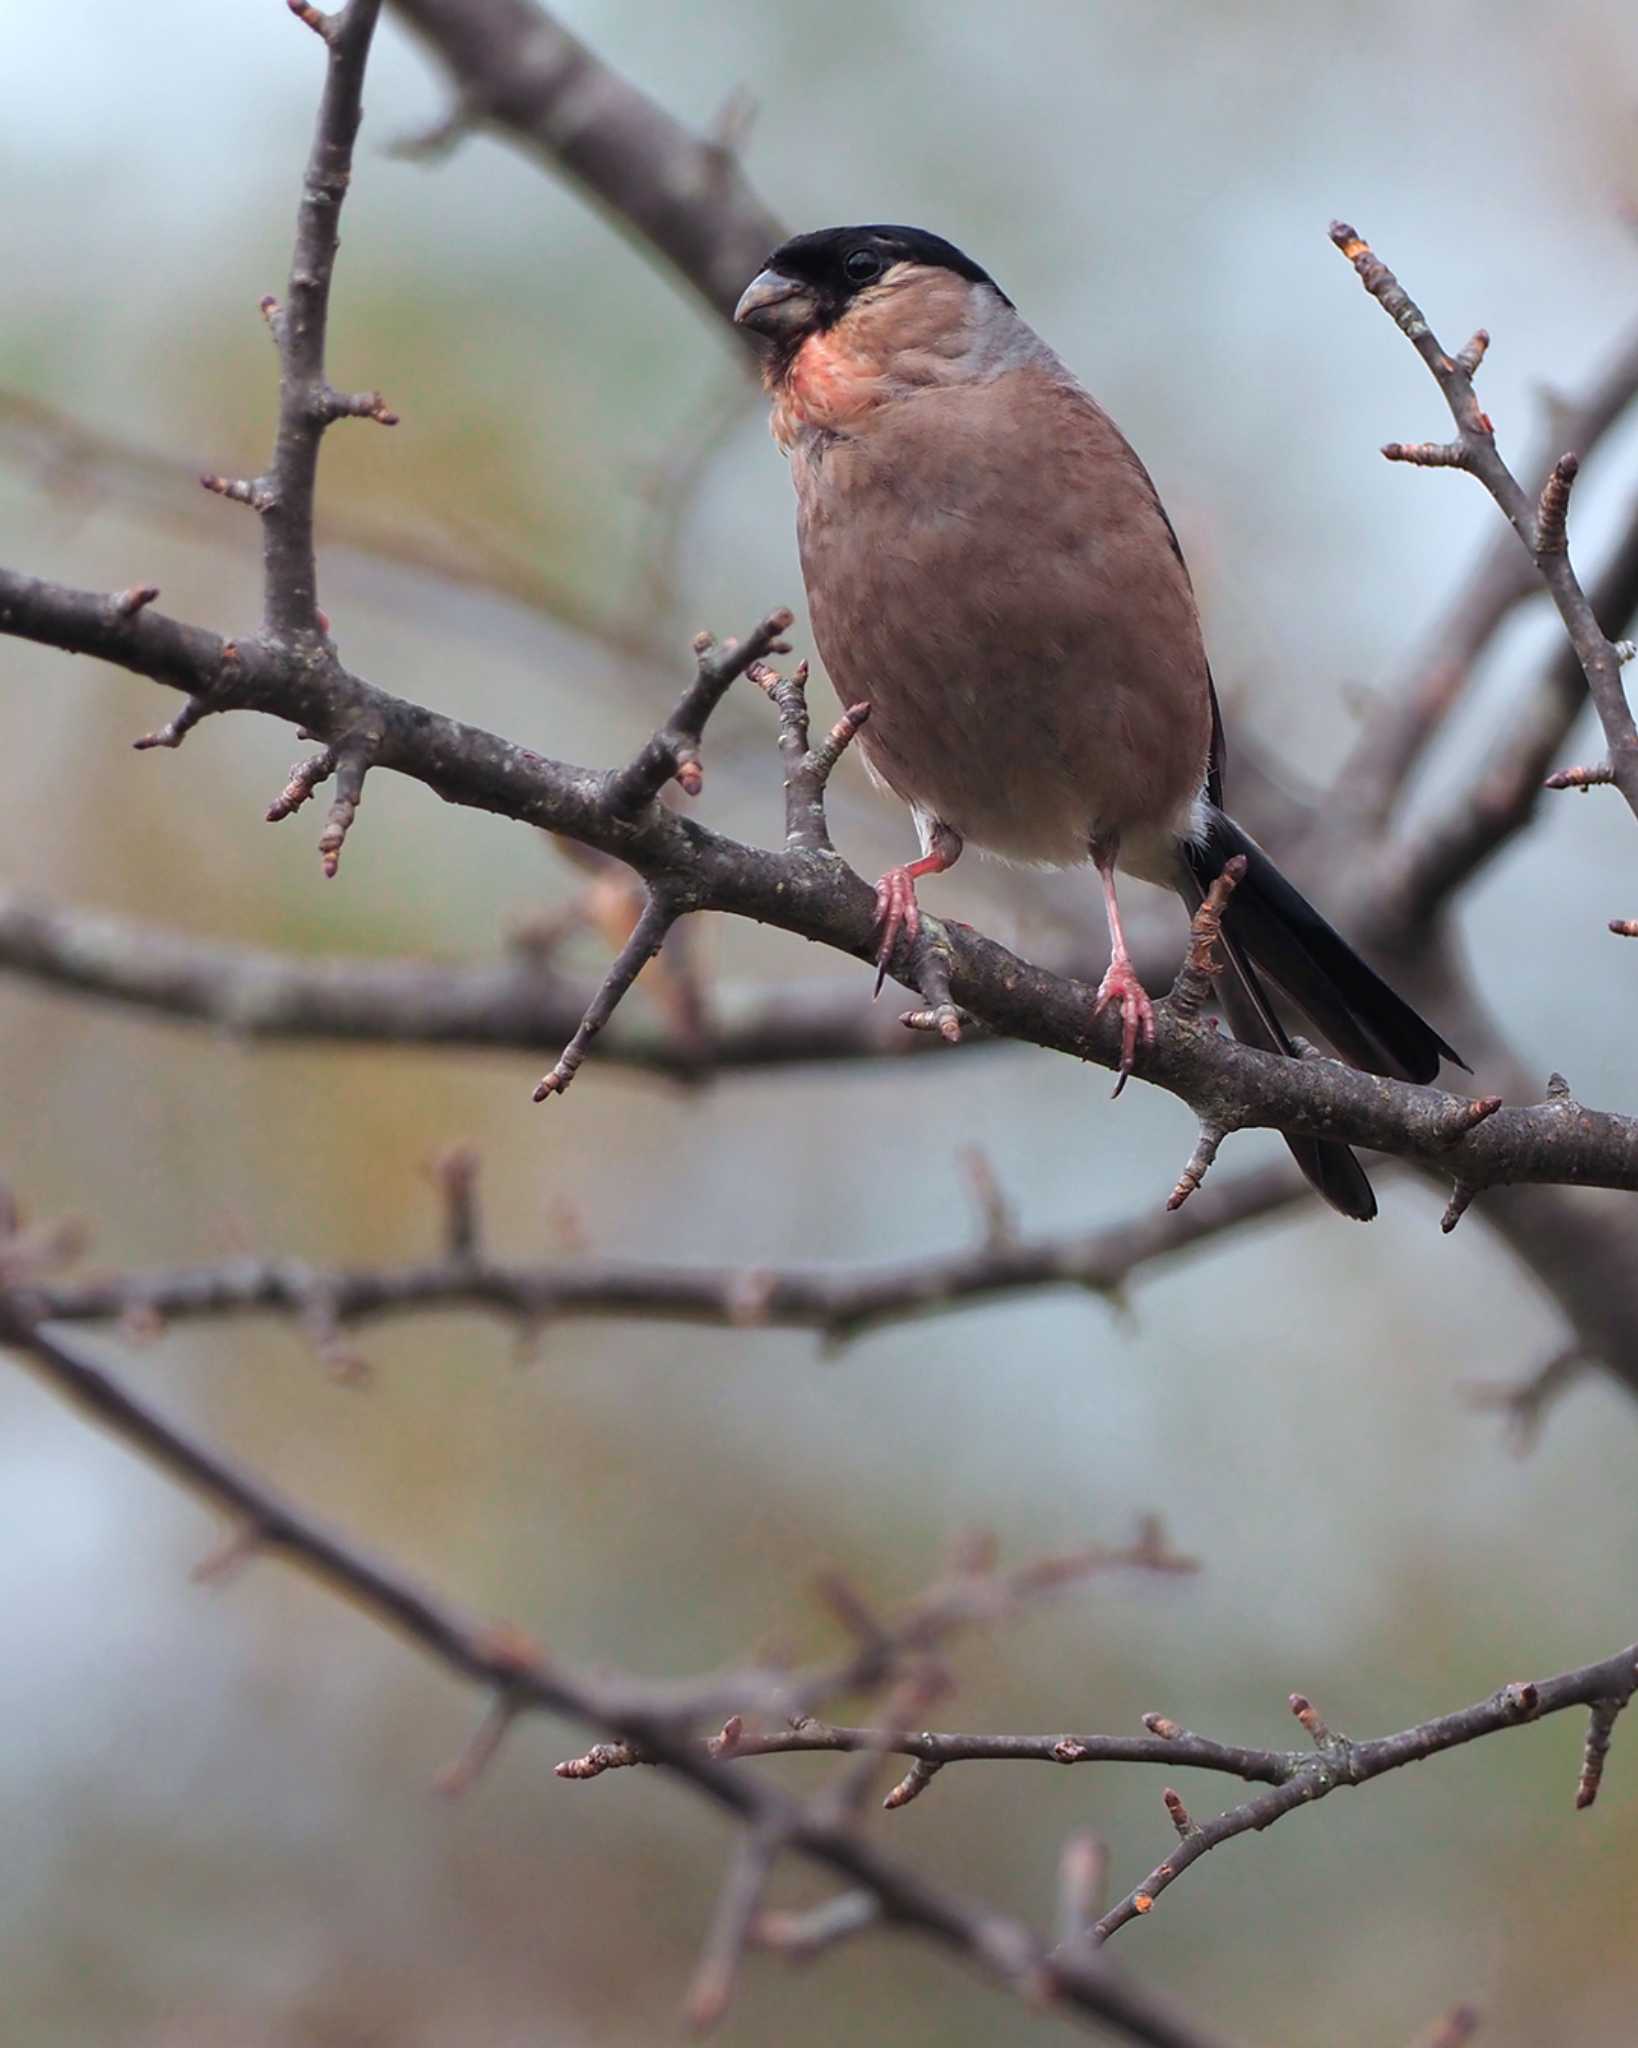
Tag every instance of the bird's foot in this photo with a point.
(896, 911)
(1137, 1014)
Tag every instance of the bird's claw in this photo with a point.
(896, 911)
(1137, 1014)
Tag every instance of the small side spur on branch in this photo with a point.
(672, 754)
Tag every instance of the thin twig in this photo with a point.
(658, 915)
(1541, 527)
(1335, 1761)
(840, 1304)
(307, 403)
(673, 752)
(742, 1889)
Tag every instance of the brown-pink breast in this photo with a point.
(988, 565)
(828, 386)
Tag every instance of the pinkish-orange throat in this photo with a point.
(826, 386)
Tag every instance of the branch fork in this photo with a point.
(673, 753)
(808, 768)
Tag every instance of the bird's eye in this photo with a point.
(862, 266)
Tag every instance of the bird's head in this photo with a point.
(844, 312)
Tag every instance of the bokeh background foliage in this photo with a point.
(218, 1816)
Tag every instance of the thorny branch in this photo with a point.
(818, 897)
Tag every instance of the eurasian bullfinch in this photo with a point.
(988, 566)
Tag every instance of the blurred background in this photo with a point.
(218, 1808)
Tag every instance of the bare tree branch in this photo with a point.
(1295, 1778)
(840, 1305)
(1420, 877)
(1540, 526)
(673, 752)
(1229, 1086)
(1335, 1761)
(308, 403)
(1409, 718)
(519, 1002)
(654, 1726)
(256, 993)
(524, 73)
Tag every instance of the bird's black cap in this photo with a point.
(838, 262)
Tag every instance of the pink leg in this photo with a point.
(896, 907)
(1120, 983)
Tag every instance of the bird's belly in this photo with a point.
(1032, 752)
(1031, 656)
(958, 762)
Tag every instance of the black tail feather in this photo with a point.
(1269, 925)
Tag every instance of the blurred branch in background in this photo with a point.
(683, 196)
(839, 1306)
(81, 468)
(519, 1001)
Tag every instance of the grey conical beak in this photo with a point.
(774, 304)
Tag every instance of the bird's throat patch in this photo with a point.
(827, 385)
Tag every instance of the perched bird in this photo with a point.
(989, 567)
